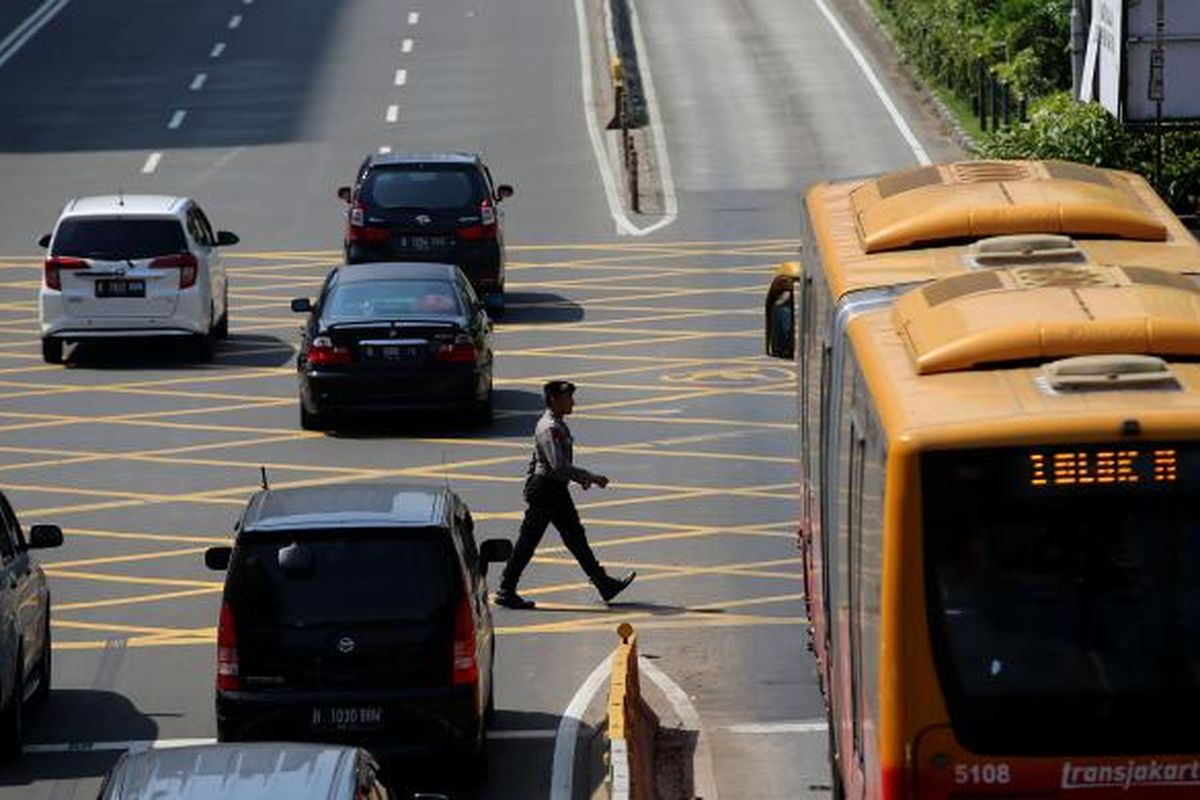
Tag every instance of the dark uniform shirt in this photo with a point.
(553, 452)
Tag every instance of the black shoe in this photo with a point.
(513, 600)
(614, 586)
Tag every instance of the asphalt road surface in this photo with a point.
(259, 109)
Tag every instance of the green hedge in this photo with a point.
(1022, 42)
(1059, 127)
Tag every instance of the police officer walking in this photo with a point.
(548, 498)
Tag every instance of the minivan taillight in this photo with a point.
(54, 265)
(359, 231)
(465, 669)
(322, 352)
(227, 653)
(186, 263)
(486, 227)
(460, 351)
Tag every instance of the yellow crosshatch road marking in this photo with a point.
(663, 337)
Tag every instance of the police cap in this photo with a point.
(556, 388)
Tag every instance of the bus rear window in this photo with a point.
(1063, 590)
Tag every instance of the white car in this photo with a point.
(133, 266)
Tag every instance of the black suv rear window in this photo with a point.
(432, 187)
(355, 578)
(119, 239)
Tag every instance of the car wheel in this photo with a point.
(12, 719)
(203, 347)
(52, 350)
(228, 732)
(45, 665)
(484, 410)
(472, 767)
(221, 329)
(311, 420)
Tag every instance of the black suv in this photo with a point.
(429, 207)
(358, 614)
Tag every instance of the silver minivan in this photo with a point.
(262, 771)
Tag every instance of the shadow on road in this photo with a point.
(75, 716)
(516, 413)
(239, 350)
(504, 751)
(536, 308)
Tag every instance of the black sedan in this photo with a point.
(394, 336)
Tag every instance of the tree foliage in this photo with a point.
(1061, 128)
(1022, 42)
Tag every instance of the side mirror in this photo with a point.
(44, 241)
(495, 551)
(217, 558)
(225, 238)
(344, 193)
(780, 312)
(297, 561)
(42, 536)
(504, 191)
(302, 305)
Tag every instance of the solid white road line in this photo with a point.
(401, 77)
(703, 777)
(414, 17)
(809, 726)
(198, 81)
(393, 113)
(909, 137)
(14, 41)
(235, 21)
(562, 767)
(623, 224)
(151, 163)
(218, 48)
(608, 177)
(177, 119)
(670, 201)
(406, 46)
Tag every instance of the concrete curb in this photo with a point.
(632, 725)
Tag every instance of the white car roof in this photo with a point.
(122, 204)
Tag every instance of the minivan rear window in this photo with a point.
(118, 239)
(422, 187)
(355, 578)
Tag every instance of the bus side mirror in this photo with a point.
(780, 312)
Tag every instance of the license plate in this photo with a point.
(120, 287)
(422, 242)
(393, 352)
(347, 717)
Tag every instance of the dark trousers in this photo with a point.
(550, 502)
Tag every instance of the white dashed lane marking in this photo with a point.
(393, 113)
(151, 163)
(406, 46)
(177, 119)
(198, 81)
(235, 21)
(414, 17)
(401, 77)
(218, 48)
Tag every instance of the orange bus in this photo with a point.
(999, 407)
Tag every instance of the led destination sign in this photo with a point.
(1084, 468)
